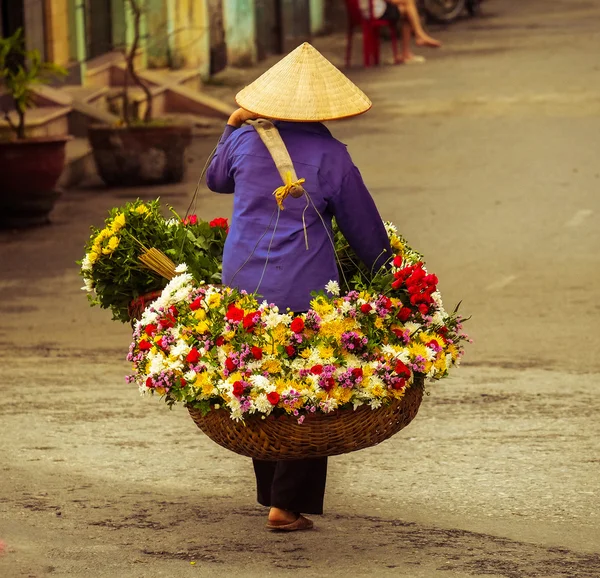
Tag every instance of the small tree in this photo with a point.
(137, 8)
(20, 71)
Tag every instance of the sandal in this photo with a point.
(300, 523)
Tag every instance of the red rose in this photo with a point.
(402, 369)
(238, 388)
(182, 382)
(229, 364)
(273, 398)
(220, 222)
(219, 341)
(174, 311)
(190, 220)
(424, 308)
(297, 325)
(234, 313)
(144, 345)
(387, 302)
(328, 384)
(193, 355)
(404, 314)
(357, 372)
(196, 304)
(398, 333)
(400, 384)
(150, 329)
(249, 320)
(256, 352)
(290, 350)
(316, 369)
(366, 308)
(149, 382)
(397, 261)
(167, 321)
(396, 284)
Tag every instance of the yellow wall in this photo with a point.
(191, 35)
(57, 31)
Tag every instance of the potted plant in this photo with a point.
(29, 166)
(140, 150)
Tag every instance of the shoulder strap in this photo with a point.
(271, 138)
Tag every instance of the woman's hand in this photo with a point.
(240, 116)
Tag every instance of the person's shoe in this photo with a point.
(300, 523)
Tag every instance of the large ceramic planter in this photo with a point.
(141, 155)
(29, 171)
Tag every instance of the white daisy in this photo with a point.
(333, 288)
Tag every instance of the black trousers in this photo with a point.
(294, 485)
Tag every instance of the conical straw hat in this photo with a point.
(304, 87)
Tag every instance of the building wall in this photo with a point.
(191, 41)
(57, 30)
(317, 17)
(178, 34)
(239, 18)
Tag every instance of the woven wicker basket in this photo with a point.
(320, 435)
(137, 306)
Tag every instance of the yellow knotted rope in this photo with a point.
(289, 187)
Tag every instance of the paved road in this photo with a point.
(486, 158)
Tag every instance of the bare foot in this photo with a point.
(426, 40)
(279, 515)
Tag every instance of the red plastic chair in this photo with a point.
(370, 32)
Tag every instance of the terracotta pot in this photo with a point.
(29, 171)
(140, 155)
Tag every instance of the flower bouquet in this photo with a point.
(242, 366)
(136, 252)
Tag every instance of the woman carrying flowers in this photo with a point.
(283, 250)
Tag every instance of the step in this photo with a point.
(137, 97)
(186, 100)
(164, 76)
(42, 121)
(93, 95)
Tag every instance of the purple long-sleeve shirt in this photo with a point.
(277, 265)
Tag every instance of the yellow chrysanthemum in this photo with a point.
(397, 393)
(320, 306)
(203, 380)
(326, 352)
(271, 366)
(142, 210)
(379, 323)
(214, 300)
(440, 363)
(453, 351)
(378, 391)
(113, 243)
(342, 394)
(417, 349)
(202, 327)
(280, 334)
(306, 353)
(200, 314)
(118, 223)
(93, 256)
